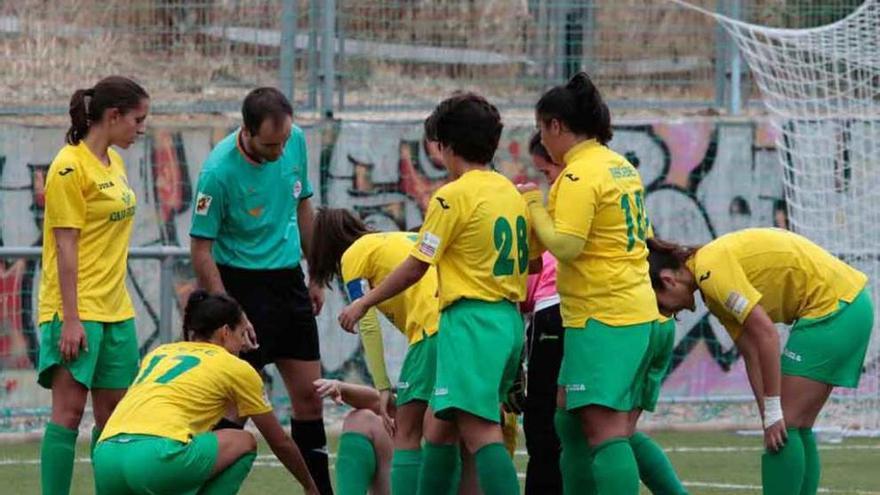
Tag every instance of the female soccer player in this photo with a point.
(159, 438)
(479, 342)
(751, 279)
(344, 247)
(595, 226)
(88, 341)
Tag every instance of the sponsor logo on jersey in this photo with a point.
(705, 276)
(66, 171)
(105, 185)
(443, 203)
(203, 204)
(572, 177)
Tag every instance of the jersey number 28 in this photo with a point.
(504, 245)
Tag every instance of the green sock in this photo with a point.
(355, 464)
(574, 463)
(56, 459)
(615, 469)
(655, 470)
(440, 473)
(782, 472)
(228, 481)
(495, 470)
(812, 464)
(405, 465)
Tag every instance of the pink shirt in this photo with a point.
(541, 291)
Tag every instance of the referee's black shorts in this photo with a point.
(277, 304)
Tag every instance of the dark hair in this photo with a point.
(87, 106)
(536, 148)
(579, 105)
(264, 103)
(334, 231)
(663, 255)
(467, 123)
(206, 312)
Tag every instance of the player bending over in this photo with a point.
(344, 247)
(752, 279)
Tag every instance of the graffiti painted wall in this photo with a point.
(703, 178)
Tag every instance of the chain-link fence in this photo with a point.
(203, 55)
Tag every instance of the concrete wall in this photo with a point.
(703, 178)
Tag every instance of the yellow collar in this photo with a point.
(579, 148)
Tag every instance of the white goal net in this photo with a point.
(822, 88)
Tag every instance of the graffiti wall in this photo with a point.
(703, 178)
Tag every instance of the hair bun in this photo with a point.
(581, 83)
(198, 296)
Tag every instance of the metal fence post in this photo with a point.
(286, 79)
(314, 14)
(734, 103)
(721, 52)
(166, 298)
(328, 49)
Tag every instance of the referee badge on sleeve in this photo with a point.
(203, 204)
(297, 189)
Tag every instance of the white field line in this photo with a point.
(732, 486)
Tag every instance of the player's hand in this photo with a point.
(316, 296)
(527, 187)
(250, 335)
(388, 410)
(350, 315)
(775, 436)
(329, 388)
(73, 338)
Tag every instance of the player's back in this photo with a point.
(183, 389)
(481, 238)
(369, 261)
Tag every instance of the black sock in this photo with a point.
(312, 442)
(228, 423)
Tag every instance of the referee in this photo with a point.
(252, 220)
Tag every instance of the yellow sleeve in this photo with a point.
(441, 226)
(374, 350)
(65, 201)
(577, 200)
(246, 388)
(725, 286)
(563, 246)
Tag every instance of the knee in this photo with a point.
(408, 433)
(68, 415)
(307, 404)
(363, 421)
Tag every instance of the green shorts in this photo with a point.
(146, 464)
(110, 362)
(418, 371)
(478, 352)
(832, 349)
(605, 365)
(662, 346)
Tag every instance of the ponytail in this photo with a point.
(79, 115)
(579, 105)
(335, 230)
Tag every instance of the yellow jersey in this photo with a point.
(82, 193)
(788, 275)
(183, 389)
(599, 197)
(476, 232)
(370, 259)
